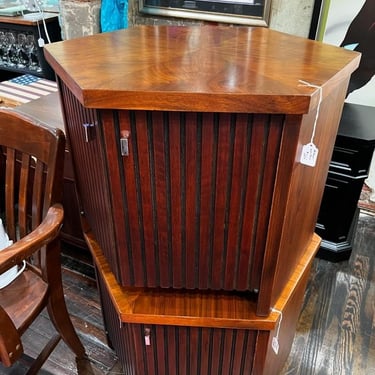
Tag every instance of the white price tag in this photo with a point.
(275, 345)
(309, 154)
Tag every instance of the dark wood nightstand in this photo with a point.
(348, 170)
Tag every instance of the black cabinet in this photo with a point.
(348, 170)
(21, 44)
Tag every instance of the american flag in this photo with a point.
(25, 88)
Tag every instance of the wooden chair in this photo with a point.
(31, 177)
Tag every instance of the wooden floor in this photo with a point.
(335, 333)
(336, 330)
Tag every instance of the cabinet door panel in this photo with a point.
(192, 198)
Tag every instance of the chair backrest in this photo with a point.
(31, 162)
(31, 185)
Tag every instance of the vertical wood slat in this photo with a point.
(206, 171)
(161, 182)
(38, 194)
(92, 183)
(23, 193)
(190, 212)
(190, 188)
(238, 182)
(176, 131)
(273, 134)
(10, 191)
(141, 215)
(222, 198)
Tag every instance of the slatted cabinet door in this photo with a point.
(192, 196)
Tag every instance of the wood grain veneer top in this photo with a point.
(199, 68)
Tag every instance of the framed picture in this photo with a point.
(350, 24)
(245, 12)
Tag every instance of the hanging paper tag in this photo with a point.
(275, 340)
(275, 345)
(309, 154)
(41, 42)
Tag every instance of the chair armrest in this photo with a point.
(44, 233)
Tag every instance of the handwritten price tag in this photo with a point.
(309, 154)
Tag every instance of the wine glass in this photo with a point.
(3, 47)
(20, 45)
(29, 47)
(10, 43)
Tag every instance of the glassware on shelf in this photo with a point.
(19, 50)
(3, 48)
(11, 41)
(21, 40)
(31, 48)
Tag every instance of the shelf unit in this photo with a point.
(29, 24)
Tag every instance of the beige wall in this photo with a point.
(292, 16)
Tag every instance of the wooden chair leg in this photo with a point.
(60, 318)
(56, 306)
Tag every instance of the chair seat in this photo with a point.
(25, 296)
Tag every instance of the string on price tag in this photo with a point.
(275, 340)
(309, 154)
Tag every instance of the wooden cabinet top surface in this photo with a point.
(199, 68)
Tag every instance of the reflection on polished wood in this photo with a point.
(237, 69)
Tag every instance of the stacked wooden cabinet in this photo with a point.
(198, 197)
